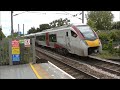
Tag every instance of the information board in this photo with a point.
(16, 57)
(15, 50)
(27, 42)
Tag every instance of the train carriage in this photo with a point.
(75, 39)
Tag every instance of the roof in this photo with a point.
(57, 28)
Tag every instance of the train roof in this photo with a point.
(56, 29)
(61, 28)
(32, 34)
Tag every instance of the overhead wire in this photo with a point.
(20, 13)
(73, 15)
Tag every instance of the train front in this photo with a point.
(90, 40)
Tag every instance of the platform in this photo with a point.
(54, 72)
(17, 72)
(33, 71)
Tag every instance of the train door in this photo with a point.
(67, 40)
(74, 42)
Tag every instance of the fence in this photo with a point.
(25, 54)
(4, 52)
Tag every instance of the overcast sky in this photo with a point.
(35, 18)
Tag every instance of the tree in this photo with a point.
(101, 20)
(1, 34)
(116, 25)
(32, 30)
(55, 23)
(59, 22)
(44, 27)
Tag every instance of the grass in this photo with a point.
(106, 55)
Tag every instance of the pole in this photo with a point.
(10, 52)
(18, 29)
(33, 47)
(12, 24)
(23, 29)
(0, 20)
(82, 16)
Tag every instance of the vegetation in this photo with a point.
(109, 41)
(108, 32)
(1, 34)
(15, 34)
(116, 25)
(100, 20)
(55, 23)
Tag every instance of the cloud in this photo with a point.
(35, 18)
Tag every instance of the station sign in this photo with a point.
(27, 42)
(15, 50)
(16, 57)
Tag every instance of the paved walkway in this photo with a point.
(17, 72)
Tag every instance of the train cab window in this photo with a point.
(73, 34)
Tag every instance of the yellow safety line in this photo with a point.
(36, 73)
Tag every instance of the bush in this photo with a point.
(106, 35)
(115, 35)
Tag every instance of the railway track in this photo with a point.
(72, 67)
(106, 65)
(109, 66)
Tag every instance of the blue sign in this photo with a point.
(16, 57)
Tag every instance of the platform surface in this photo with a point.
(23, 71)
(54, 73)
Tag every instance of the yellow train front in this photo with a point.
(89, 40)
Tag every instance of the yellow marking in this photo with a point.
(36, 73)
(93, 43)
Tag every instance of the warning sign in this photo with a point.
(15, 50)
(27, 42)
(15, 43)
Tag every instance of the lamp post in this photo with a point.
(12, 24)
(82, 16)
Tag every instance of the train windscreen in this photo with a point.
(87, 32)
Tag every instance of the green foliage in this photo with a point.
(32, 30)
(103, 36)
(15, 34)
(43, 27)
(116, 25)
(113, 35)
(59, 22)
(110, 46)
(101, 20)
(107, 39)
(55, 23)
(1, 34)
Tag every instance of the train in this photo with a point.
(74, 38)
